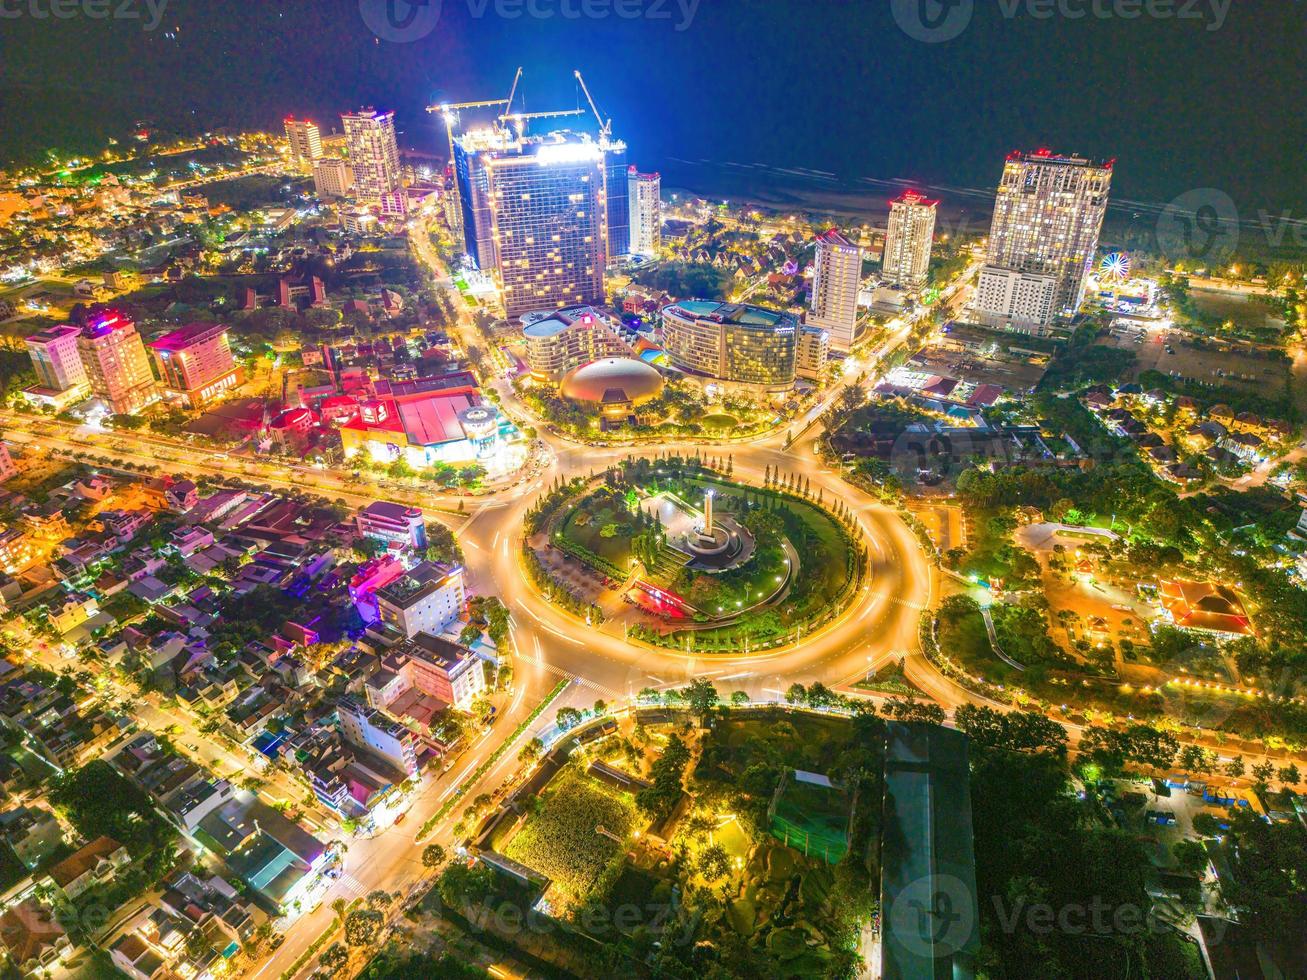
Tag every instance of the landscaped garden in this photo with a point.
(567, 838)
(791, 563)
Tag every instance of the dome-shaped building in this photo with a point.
(617, 384)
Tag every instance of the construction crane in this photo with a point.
(605, 126)
(521, 117)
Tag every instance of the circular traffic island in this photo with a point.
(682, 556)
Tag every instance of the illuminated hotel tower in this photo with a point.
(374, 155)
(837, 273)
(646, 212)
(305, 143)
(535, 212)
(908, 239)
(1047, 219)
(117, 366)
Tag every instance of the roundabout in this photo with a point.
(747, 569)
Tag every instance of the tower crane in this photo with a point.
(605, 126)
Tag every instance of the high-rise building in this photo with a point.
(535, 212)
(907, 242)
(55, 358)
(333, 177)
(196, 362)
(117, 366)
(567, 339)
(644, 191)
(374, 155)
(837, 273)
(305, 143)
(1047, 219)
(812, 352)
(617, 200)
(734, 342)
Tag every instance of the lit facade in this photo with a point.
(1047, 220)
(812, 353)
(55, 358)
(425, 600)
(117, 367)
(617, 202)
(732, 342)
(567, 339)
(373, 154)
(333, 177)
(535, 212)
(644, 192)
(196, 362)
(305, 143)
(833, 303)
(908, 239)
(395, 524)
(371, 729)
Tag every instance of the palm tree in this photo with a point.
(339, 906)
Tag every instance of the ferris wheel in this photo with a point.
(1115, 267)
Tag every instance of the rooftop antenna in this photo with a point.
(605, 127)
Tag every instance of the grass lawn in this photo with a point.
(602, 525)
(561, 841)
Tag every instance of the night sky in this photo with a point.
(832, 85)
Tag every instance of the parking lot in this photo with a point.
(1205, 362)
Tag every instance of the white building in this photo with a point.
(427, 599)
(1047, 219)
(368, 728)
(373, 153)
(812, 352)
(646, 212)
(908, 240)
(333, 177)
(1020, 301)
(55, 358)
(305, 143)
(833, 305)
(395, 524)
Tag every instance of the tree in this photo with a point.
(1190, 856)
(739, 698)
(531, 751)
(796, 694)
(340, 907)
(600, 707)
(910, 709)
(379, 900)
(334, 958)
(714, 863)
(1262, 774)
(1235, 767)
(701, 696)
(567, 718)
(433, 856)
(1289, 775)
(460, 886)
(363, 927)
